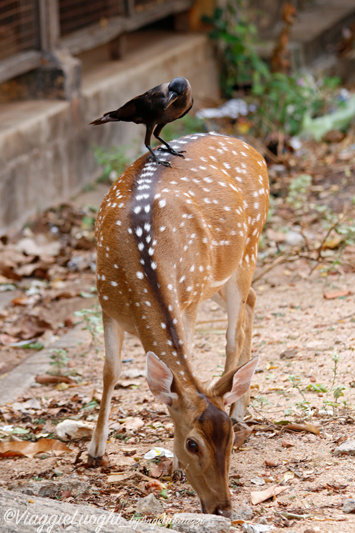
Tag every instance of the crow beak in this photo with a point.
(172, 96)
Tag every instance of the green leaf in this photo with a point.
(20, 431)
(317, 387)
(33, 346)
(91, 405)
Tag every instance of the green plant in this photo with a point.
(259, 402)
(235, 36)
(91, 405)
(347, 229)
(33, 346)
(282, 101)
(114, 161)
(343, 227)
(335, 390)
(298, 192)
(303, 405)
(335, 359)
(59, 360)
(92, 319)
(89, 217)
(317, 387)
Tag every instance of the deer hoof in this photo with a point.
(95, 462)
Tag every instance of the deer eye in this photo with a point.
(192, 446)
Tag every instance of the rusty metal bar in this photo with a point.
(33, 30)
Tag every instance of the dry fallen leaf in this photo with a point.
(40, 244)
(118, 477)
(263, 495)
(241, 436)
(128, 383)
(7, 340)
(276, 236)
(164, 468)
(288, 475)
(121, 460)
(74, 429)
(28, 327)
(48, 379)
(154, 486)
(132, 423)
(303, 427)
(331, 244)
(332, 295)
(39, 268)
(29, 449)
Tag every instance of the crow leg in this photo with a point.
(156, 159)
(147, 144)
(168, 147)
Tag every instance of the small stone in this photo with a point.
(293, 238)
(287, 444)
(346, 448)
(271, 463)
(244, 512)
(256, 528)
(348, 506)
(200, 523)
(257, 480)
(259, 370)
(52, 489)
(149, 505)
(288, 354)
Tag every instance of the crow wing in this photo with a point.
(145, 108)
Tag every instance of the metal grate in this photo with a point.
(74, 15)
(19, 30)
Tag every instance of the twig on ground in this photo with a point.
(330, 229)
(280, 259)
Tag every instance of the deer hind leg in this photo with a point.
(238, 409)
(189, 320)
(113, 336)
(238, 298)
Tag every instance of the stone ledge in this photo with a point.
(46, 146)
(19, 513)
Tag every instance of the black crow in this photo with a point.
(155, 108)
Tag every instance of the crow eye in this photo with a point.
(192, 446)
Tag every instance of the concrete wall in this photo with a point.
(46, 151)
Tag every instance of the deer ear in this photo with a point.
(160, 379)
(235, 383)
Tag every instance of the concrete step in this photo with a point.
(317, 32)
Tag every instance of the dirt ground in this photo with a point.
(304, 317)
(292, 318)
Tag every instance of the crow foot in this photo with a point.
(161, 162)
(172, 151)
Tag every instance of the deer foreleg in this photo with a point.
(113, 336)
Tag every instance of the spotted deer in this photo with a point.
(167, 239)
